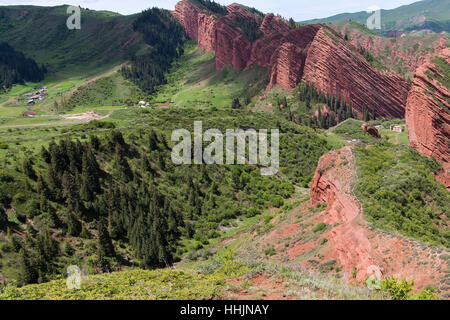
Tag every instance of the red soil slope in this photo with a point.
(352, 244)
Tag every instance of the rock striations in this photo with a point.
(428, 113)
(313, 53)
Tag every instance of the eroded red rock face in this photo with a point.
(307, 53)
(287, 65)
(231, 47)
(187, 14)
(428, 115)
(198, 23)
(371, 130)
(398, 48)
(336, 68)
(273, 25)
(351, 240)
(206, 32)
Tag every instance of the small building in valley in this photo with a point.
(397, 128)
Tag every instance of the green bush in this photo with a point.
(402, 290)
(400, 193)
(277, 201)
(319, 227)
(270, 251)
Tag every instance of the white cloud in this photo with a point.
(298, 9)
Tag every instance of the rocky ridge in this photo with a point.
(428, 114)
(313, 53)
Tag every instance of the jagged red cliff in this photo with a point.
(314, 53)
(428, 113)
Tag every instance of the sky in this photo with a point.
(298, 9)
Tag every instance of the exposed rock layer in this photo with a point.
(428, 115)
(315, 53)
(352, 242)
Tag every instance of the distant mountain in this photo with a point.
(425, 14)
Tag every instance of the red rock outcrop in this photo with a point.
(428, 114)
(371, 130)
(238, 10)
(334, 66)
(352, 242)
(231, 47)
(187, 14)
(283, 55)
(207, 32)
(199, 24)
(273, 25)
(287, 65)
(401, 49)
(315, 54)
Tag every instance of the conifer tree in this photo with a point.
(3, 218)
(27, 273)
(236, 104)
(104, 239)
(28, 169)
(152, 141)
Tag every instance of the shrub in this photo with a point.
(253, 212)
(397, 290)
(277, 201)
(270, 251)
(399, 192)
(319, 227)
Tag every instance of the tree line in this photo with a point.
(15, 68)
(166, 37)
(114, 193)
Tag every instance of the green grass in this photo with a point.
(108, 93)
(41, 33)
(399, 192)
(194, 82)
(351, 129)
(163, 284)
(444, 70)
(111, 90)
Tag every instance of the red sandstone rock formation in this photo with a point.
(231, 46)
(273, 25)
(399, 48)
(428, 115)
(315, 54)
(206, 32)
(335, 67)
(187, 14)
(352, 242)
(238, 10)
(371, 130)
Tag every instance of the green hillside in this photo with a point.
(88, 179)
(404, 18)
(41, 33)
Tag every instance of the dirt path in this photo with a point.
(68, 94)
(67, 120)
